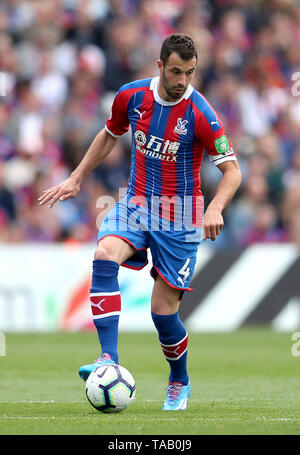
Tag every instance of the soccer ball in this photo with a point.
(110, 388)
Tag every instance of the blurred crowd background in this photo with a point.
(63, 61)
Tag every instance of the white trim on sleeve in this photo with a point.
(112, 134)
(222, 157)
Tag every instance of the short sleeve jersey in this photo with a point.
(168, 138)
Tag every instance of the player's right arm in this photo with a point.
(101, 146)
(116, 125)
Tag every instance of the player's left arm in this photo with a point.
(210, 131)
(228, 185)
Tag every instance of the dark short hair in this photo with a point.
(180, 43)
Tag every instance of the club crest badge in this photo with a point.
(180, 127)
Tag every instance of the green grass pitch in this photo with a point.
(245, 382)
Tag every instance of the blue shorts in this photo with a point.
(173, 250)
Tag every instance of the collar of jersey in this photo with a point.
(158, 99)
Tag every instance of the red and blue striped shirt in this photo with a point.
(168, 139)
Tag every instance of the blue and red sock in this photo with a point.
(173, 339)
(106, 305)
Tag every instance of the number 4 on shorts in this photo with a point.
(184, 271)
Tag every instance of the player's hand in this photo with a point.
(213, 223)
(67, 189)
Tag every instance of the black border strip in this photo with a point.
(206, 279)
(287, 287)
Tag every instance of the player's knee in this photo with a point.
(165, 299)
(105, 253)
(164, 305)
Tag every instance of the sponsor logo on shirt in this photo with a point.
(156, 147)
